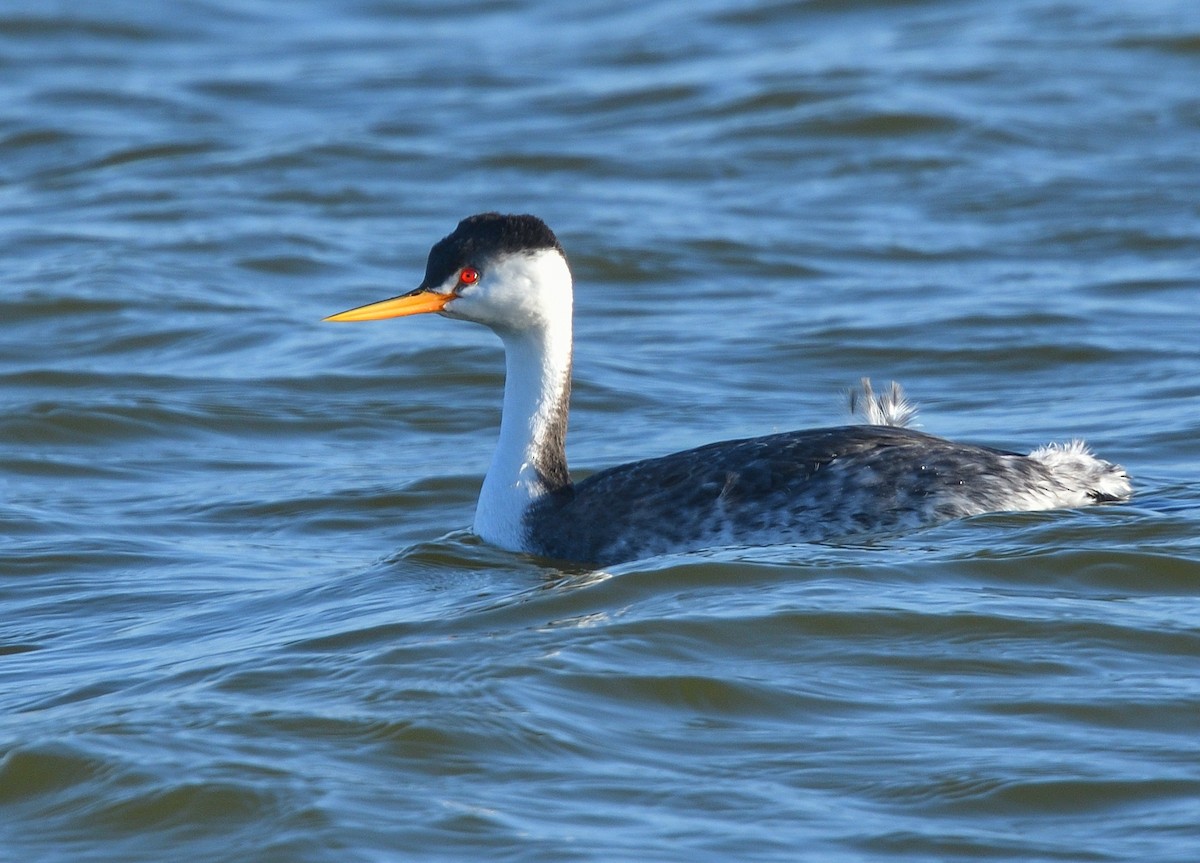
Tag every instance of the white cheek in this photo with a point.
(461, 307)
(517, 293)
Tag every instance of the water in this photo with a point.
(241, 617)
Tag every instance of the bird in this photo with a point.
(877, 476)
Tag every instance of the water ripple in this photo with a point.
(241, 612)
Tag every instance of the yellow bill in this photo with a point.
(418, 302)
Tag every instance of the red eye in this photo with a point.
(468, 276)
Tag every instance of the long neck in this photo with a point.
(530, 459)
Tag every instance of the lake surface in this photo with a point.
(242, 617)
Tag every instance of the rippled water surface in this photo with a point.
(241, 615)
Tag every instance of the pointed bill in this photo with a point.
(417, 302)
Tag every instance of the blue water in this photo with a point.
(241, 613)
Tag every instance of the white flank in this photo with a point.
(1083, 477)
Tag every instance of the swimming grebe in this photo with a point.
(510, 273)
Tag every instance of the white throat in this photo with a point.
(529, 460)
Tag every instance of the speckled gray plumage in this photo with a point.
(790, 487)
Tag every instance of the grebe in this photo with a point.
(510, 273)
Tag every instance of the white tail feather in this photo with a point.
(1093, 479)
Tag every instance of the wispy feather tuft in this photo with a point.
(889, 408)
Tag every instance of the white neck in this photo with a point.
(530, 458)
